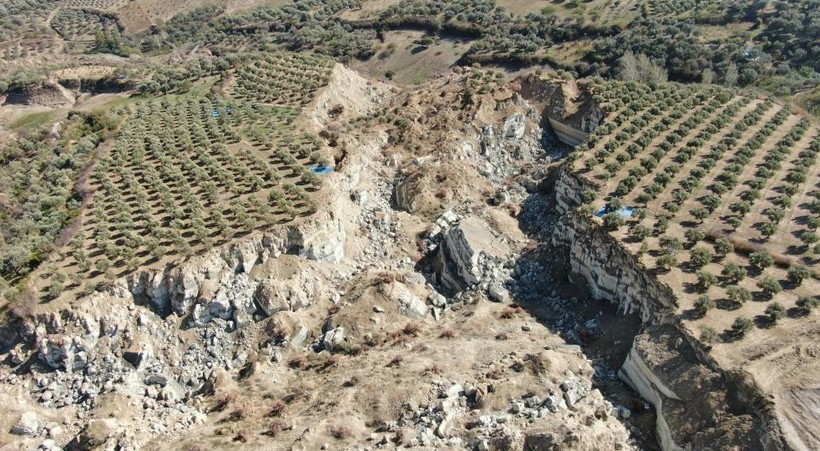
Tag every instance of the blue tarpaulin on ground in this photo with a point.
(624, 212)
(321, 169)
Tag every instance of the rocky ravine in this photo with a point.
(698, 404)
(363, 327)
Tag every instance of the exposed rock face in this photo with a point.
(461, 250)
(176, 290)
(27, 425)
(406, 191)
(686, 388)
(689, 396)
(611, 272)
(568, 109)
(325, 244)
(209, 284)
(569, 190)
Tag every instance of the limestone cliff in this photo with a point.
(611, 272)
(698, 404)
(566, 107)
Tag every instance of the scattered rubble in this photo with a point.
(149, 357)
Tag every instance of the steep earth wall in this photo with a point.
(177, 290)
(698, 404)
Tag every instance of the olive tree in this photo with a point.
(775, 311)
(742, 326)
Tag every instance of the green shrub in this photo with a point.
(742, 326)
(775, 311)
(704, 304)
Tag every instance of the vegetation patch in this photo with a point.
(726, 195)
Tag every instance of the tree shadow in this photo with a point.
(727, 304)
(692, 314)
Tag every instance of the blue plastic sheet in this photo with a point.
(321, 169)
(624, 212)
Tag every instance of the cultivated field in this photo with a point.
(23, 29)
(407, 58)
(726, 197)
(79, 24)
(187, 173)
(282, 78)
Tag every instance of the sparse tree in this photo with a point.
(707, 76)
(769, 285)
(760, 260)
(700, 256)
(703, 305)
(734, 272)
(730, 78)
(807, 303)
(700, 214)
(640, 231)
(742, 326)
(662, 224)
(670, 244)
(666, 262)
(775, 311)
(695, 235)
(808, 238)
(644, 247)
(797, 274)
(628, 67)
(708, 334)
(767, 229)
(706, 280)
(102, 264)
(613, 221)
(723, 247)
(738, 294)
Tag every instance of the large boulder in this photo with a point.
(411, 304)
(28, 424)
(515, 126)
(457, 262)
(275, 295)
(333, 339)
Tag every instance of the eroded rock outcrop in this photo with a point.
(611, 271)
(696, 407)
(693, 398)
(179, 289)
(459, 260)
(47, 93)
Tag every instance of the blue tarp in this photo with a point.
(321, 169)
(624, 212)
(215, 113)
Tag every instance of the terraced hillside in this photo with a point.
(719, 195)
(281, 78)
(188, 172)
(23, 29)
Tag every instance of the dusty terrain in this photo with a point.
(338, 331)
(429, 276)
